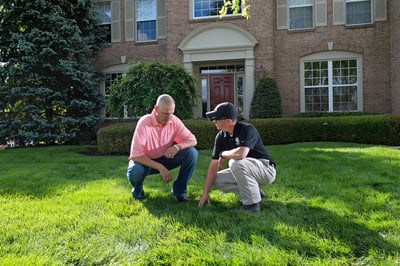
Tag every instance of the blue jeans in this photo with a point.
(186, 159)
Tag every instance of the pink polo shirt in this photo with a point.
(153, 139)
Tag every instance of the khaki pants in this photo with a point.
(244, 178)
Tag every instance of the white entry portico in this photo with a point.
(222, 42)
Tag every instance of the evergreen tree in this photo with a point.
(48, 89)
(266, 101)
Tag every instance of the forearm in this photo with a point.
(211, 176)
(238, 153)
(187, 144)
(148, 162)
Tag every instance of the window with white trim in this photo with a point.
(146, 20)
(104, 16)
(301, 14)
(209, 8)
(110, 79)
(331, 85)
(358, 12)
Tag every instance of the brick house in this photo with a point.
(325, 55)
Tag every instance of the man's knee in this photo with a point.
(136, 172)
(237, 165)
(192, 153)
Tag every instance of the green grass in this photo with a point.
(331, 204)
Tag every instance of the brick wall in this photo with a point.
(278, 53)
(394, 16)
(372, 42)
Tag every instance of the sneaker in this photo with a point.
(137, 196)
(251, 208)
(182, 198)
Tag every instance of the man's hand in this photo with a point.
(171, 152)
(166, 175)
(205, 198)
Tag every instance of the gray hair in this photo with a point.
(165, 99)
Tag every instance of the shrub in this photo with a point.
(143, 82)
(115, 139)
(266, 102)
(369, 129)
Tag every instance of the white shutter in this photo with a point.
(282, 13)
(339, 12)
(129, 20)
(115, 28)
(320, 13)
(161, 20)
(380, 10)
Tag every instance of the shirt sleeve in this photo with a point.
(182, 133)
(217, 146)
(138, 140)
(247, 137)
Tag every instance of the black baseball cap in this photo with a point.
(224, 110)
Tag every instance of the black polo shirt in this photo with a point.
(245, 135)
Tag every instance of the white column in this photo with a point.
(248, 90)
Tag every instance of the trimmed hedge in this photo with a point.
(117, 139)
(369, 129)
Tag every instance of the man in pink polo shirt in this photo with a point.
(161, 142)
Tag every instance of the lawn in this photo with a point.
(331, 204)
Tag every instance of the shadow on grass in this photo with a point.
(44, 171)
(311, 231)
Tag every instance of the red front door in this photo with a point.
(221, 89)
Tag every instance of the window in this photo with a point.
(331, 85)
(146, 20)
(208, 8)
(239, 92)
(104, 16)
(358, 12)
(204, 92)
(301, 14)
(110, 78)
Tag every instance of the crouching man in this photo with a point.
(250, 165)
(161, 142)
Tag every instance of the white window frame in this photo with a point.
(331, 56)
(102, 6)
(360, 1)
(192, 12)
(145, 20)
(292, 7)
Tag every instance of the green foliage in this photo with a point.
(143, 82)
(371, 129)
(48, 89)
(236, 6)
(205, 132)
(266, 102)
(117, 139)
